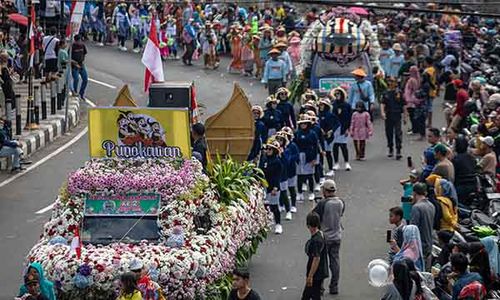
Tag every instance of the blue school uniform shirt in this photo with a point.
(328, 122)
(272, 168)
(396, 63)
(317, 130)
(307, 141)
(272, 119)
(385, 59)
(260, 137)
(274, 69)
(366, 88)
(285, 57)
(287, 113)
(343, 112)
(292, 159)
(264, 46)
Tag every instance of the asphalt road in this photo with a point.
(278, 269)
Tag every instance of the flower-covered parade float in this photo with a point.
(190, 229)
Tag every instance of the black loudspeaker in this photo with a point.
(170, 94)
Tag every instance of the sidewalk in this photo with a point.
(49, 129)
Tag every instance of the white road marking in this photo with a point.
(45, 209)
(51, 155)
(103, 83)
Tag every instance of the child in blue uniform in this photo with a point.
(272, 168)
(319, 177)
(292, 155)
(260, 134)
(307, 141)
(272, 116)
(342, 110)
(329, 124)
(286, 108)
(282, 138)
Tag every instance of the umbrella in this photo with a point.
(19, 19)
(359, 11)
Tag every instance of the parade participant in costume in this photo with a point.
(342, 109)
(265, 43)
(272, 167)
(247, 57)
(209, 39)
(386, 55)
(319, 177)
(310, 105)
(280, 35)
(282, 139)
(392, 107)
(123, 25)
(361, 129)
(274, 73)
(46, 287)
(292, 154)
(188, 37)
(308, 95)
(172, 37)
(307, 141)
(260, 134)
(236, 65)
(256, 55)
(329, 124)
(286, 108)
(272, 116)
(294, 52)
(136, 29)
(164, 49)
(362, 90)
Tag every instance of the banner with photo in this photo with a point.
(129, 132)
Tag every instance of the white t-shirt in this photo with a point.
(49, 44)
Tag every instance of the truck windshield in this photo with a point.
(105, 230)
(328, 68)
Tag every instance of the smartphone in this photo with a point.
(388, 236)
(409, 162)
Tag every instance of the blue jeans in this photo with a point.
(76, 72)
(14, 153)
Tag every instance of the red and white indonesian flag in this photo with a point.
(76, 244)
(32, 35)
(151, 58)
(75, 23)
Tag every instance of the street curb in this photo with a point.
(50, 129)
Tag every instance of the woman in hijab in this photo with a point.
(412, 247)
(402, 286)
(414, 104)
(446, 196)
(429, 163)
(490, 244)
(46, 286)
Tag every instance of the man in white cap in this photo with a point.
(488, 162)
(330, 210)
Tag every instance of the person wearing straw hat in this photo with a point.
(280, 36)
(310, 105)
(265, 43)
(294, 52)
(319, 177)
(235, 37)
(308, 95)
(260, 135)
(396, 61)
(307, 141)
(275, 72)
(362, 90)
(292, 154)
(256, 55)
(272, 167)
(329, 124)
(285, 57)
(209, 41)
(272, 116)
(342, 110)
(282, 138)
(286, 108)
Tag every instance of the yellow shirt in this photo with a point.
(135, 296)
(449, 220)
(432, 74)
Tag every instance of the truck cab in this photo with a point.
(327, 74)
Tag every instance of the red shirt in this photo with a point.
(462, 97)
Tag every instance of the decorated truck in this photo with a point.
(332, 47)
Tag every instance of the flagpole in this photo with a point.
(30, 122)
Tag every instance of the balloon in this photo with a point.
(378, 273)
